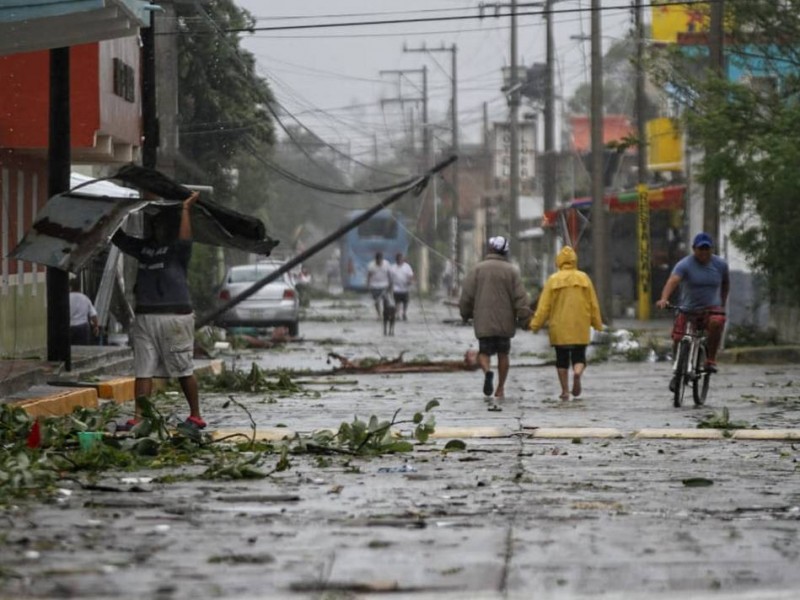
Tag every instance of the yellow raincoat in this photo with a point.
(569, 303)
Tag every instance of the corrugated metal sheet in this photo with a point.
(74, 227)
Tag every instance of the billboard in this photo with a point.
(670, 19)
(502, 154)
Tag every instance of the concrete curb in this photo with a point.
(549, 433)
(761, 355)
(59, 401)
(679, 434)
(567, 433)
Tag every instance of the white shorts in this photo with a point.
(163, 345)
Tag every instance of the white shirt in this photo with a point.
(402, 276)
(378, 275)
(80, 309)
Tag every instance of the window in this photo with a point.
(124, 82)
(378, 228)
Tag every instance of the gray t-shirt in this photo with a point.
(701, 284)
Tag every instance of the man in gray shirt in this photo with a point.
(162, 333)
(704, 280)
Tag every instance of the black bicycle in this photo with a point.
(689, 366)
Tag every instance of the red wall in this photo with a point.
(24, 98)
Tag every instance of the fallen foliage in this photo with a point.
(397, 365)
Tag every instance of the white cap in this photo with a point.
(499, 244)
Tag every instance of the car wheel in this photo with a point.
(294, 329)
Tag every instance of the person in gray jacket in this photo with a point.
(494, 298)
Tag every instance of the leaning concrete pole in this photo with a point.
(416, 186)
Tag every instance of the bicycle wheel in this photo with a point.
(680, 374)
(702, 377)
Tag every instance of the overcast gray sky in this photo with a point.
(316, 74)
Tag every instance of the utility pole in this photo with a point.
(149, 102)
(455, 247)
(549, 187)
(424, 210)
(643, 221)
(601, 272)
(513, 103)
(424, 206)
(716, 51)
(59, 153)
(165, 29)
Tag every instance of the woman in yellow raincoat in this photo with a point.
(569, 304)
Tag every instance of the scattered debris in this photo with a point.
(697, 482)
(397, 365)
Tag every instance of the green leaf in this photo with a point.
(418, 418)
(431, 405)
(421, 434)
(455, 446)
(399, 446)
(697, 482)
(146, 447)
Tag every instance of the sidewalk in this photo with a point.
(17, 375)
(45, 388)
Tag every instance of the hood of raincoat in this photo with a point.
(567, 259)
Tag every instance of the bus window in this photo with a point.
(378, 228)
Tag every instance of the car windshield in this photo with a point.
(251, 272)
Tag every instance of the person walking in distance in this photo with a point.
(492, 295)
(82, 316)
(379, 280)
(402, 279)
(568, 303)
(704, 279)
(162, 333)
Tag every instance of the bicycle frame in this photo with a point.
(687, 367)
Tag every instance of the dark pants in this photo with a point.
(494, 345)
(80, 335)
(566, 354)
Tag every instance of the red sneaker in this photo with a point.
(127, 425)
(711, 366)
(196, 422)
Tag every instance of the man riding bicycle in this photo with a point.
(705, 282)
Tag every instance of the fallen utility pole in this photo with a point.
(417, 186)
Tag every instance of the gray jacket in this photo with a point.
(494, 298)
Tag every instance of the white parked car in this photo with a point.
(275, 304)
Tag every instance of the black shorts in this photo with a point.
(565, 354)
(494, 345)
(401, 297)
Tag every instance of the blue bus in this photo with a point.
(384, 232)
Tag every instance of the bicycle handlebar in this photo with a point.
(670, 306)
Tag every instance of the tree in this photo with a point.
(619, 73)
(224, 118)
(752, 123)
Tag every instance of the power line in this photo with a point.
(363, 14)
(270, 108)
(554, 11)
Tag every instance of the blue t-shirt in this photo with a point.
(701, 284)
